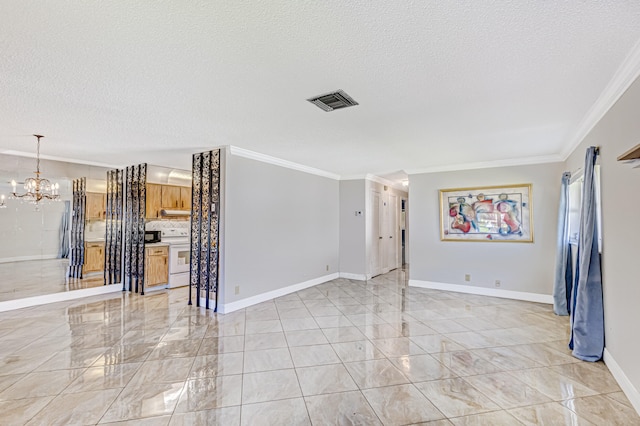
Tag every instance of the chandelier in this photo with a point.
(37, 188)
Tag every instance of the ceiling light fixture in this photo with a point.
(37, 189)
(2, 204)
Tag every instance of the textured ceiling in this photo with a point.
(439, 83)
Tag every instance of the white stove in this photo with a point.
(179, 255)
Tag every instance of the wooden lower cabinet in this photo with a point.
(156, 268)
(93, 257)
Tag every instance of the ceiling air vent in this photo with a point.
(334, 100)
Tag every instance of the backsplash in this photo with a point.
(159, 225)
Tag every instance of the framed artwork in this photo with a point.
(489, 213)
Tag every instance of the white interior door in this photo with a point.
(392, 233)
(376, 234)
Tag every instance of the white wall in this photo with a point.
(618, 131)
(521, 267)
(281, 227)
(352, 228)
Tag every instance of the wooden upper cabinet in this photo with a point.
(154, 200)
(171, 197)
(185, 198)
(96, 205)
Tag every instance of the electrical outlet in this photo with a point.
(467, 277)
(327, 267)
(237, 289)
(497, 283)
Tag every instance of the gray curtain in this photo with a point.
(63, 252)
(563, 281)
(587, 314)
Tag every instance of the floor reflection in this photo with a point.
(39, 277)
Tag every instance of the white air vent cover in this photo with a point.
(334, 100)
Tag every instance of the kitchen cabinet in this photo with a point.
(154, 200)
(96, 206)
(156, 271)
(185, 198)
(93, 257)
(171, 197)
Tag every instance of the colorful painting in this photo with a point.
(493, 213)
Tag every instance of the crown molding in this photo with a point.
(489, 164)
(625, 75)
(61, 159)
(241, 152)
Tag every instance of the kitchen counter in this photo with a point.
(160, 244)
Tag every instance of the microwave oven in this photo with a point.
(152, 237)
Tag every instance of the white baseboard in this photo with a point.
(627, 387)
(225, 308)
(349, 276)
(23, 258)
(484, 291)
(27, 302)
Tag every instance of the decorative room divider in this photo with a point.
(205, 226)
(76, 259)
(113, 237)
(136, 207)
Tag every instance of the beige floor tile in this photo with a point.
(293, 324)
(210, 392)
(224, 364)
(305, 337)
(347, 408)
(20, 411)
(147, 421)
(593, 375)
(323, 379)
(602, 410)
(496, 418)
(398, 346)
(175, 349)
(291, 412)
(343, 334)
(121, 354)
(148, 400)
(620, 397)
(103, 377)
(256, 342)
(544, 355)
(505, 358)
(263, 326)
(436, 343)
(552, 384)
(64, 360)
(333, 321)
(448, 326)
(552, 413)
(306, 356)
(168, 370)
(466, 363)
(78, 408)
(375, 373)
(267, 359)
(357, 351)
(421, 368)
(6, 381)
(45, 383)
(507, 391)
(222, 344)
(380, 331)
(456, 397)
(218, 416)
(294, 313)
(472, 340)
(402, 404)
(269, 386)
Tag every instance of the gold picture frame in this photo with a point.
(487, 214)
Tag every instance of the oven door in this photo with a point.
(179, 258)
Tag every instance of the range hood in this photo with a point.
(175, 213)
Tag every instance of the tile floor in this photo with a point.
(340, 353)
